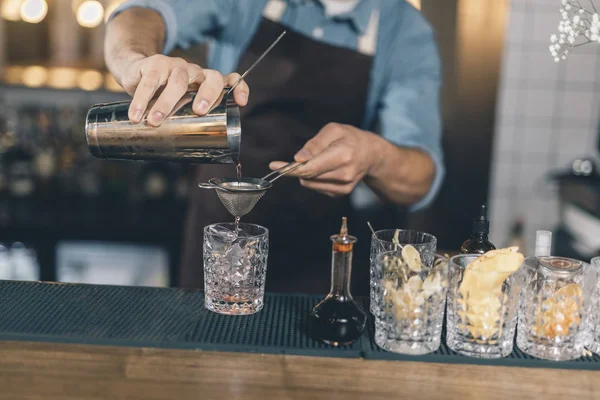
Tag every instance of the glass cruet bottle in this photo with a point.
(338, 320)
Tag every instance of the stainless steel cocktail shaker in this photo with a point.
(183, 136)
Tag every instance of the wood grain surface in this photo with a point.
(57, 371)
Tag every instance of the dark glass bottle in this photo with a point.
(338, 320)
(478, 243)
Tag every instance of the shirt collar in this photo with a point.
(359, 16)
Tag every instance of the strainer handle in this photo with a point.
(206, 185)
(278, 173)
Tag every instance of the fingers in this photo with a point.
(329, 134)
(241, 91)
(332, 158)
(328, 188)
(195, 76)
(144, 92)
(209, 91)
(275, 165)
(176, 87)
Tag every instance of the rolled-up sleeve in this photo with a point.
(409, 112)
(187, 22)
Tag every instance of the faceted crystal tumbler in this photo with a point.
(410, 305)
(481, 316)
(381, 241)
(595, 344)
(555, 316)
(235, 268)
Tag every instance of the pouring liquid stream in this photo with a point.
(238, 170)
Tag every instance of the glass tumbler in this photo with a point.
(555, 319)
(481, 309)
(381, 241)
(595, 343)
(410, 305)
(235, 268)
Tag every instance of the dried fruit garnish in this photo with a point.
(404, 289)
(559, 313)
(481, 290)
(412, 258)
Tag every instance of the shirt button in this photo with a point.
(318, 32)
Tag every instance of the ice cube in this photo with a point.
(235, 256)
(223, 233)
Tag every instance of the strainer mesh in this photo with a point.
(239, 203)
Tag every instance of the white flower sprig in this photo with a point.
(578, 26)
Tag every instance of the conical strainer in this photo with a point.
(240, 197)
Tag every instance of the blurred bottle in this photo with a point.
(543, 244)
(478, 242)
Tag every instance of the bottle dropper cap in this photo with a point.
(481, 224)
(543, 243)
(343, 242)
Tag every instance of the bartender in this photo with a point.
(353, 87)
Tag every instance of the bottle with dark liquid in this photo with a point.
(478, 243)
(338, 320)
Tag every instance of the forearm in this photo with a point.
(133, 34)
(400, 175)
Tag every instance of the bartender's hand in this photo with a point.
(340, 156)
(144, 76)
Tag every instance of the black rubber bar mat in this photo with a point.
(156, 317)
(176, 318)
(444, 355)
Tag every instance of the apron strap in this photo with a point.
(274, 10)
(367, 42)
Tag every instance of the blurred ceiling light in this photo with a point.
(112, 85)
(111, 8)
(11, 10)
(90, 14)
(89, 80)
(35, 76)
(62, 78)
(34, 11)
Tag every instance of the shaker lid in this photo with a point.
(561, 265)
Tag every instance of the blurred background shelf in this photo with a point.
(511, 117)
(52, 190)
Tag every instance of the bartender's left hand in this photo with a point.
(340, 156)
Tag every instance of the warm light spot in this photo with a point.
(89, 80)
(11, 10)
(62, 78)
(34, 11)
(35, 76)
(90, 14)
(111, 8)
(111, 84)
(416, 3)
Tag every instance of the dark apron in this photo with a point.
(301, 86)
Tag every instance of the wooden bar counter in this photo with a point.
(58, 371)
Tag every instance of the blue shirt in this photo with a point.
(403, 104)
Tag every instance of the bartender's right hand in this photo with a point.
(146, 75)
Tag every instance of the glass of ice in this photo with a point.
(382, 241)
(235, 268)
